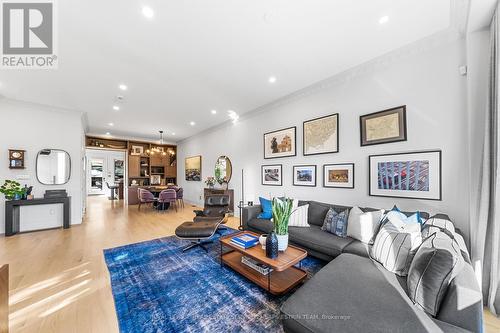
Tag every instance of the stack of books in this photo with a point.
(259, 267)
(245, 241)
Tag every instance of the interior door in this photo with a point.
(97, 178)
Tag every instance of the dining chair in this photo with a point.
(145, 197)
(180, 196)
(168, 195)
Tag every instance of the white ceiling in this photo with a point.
(199, 55)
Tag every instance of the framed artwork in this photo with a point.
(137, 150)
(155, 180)
(321, 135)
(193, 168)
(383, 126)
(414, 175)
(304, 175)
(281, 143)
(272, 175)
(338, 175)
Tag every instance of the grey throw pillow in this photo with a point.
(435, 265)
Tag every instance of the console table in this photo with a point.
(13, 207)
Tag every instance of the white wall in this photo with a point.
(423, 76)
(33, 127)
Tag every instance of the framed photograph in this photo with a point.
(338, 175)
(414, 175)
(304, 175)
(155, 180)
(137, 150)
(321, 135)
(192, 168)
(383, 126)
(272, 175)
(281, 143)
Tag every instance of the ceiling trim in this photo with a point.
(421, 46)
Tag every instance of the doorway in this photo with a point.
(104, 167)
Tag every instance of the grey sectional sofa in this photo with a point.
(352, 293)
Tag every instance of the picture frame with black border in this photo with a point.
(339, 175)
(304, 135)
(426, 165)
(269, 145)
(402, 126)
(272, 175)
(309, 175)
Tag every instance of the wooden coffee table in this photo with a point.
(284, 276)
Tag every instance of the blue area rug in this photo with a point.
(157, 288)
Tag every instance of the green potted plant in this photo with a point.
(282, 209)
(12, 190)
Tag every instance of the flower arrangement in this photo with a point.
(210, 181)
(12, 189)
(222, 180)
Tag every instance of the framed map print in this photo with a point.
(338, 175)
(383, 126)
(406, 175)
(321, 135)
(281, 143)
(272, 175)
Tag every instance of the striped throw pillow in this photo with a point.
(299, 217)
(395, 247)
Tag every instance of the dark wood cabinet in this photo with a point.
(134, 166)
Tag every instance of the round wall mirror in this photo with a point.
(223, 168)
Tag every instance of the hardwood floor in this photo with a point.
(59, 281)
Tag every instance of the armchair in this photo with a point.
(216, 208)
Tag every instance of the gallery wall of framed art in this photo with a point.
(433, 122)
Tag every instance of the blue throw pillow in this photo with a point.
(415, 218)
(398, 218)
(267, 209)
(336, 223)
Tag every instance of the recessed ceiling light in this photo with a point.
(107, 133)
(173, 133)
(383, 19)
(116, 108)
(122, 87)
(148, 12)
(192, 123)
(214, 111)
(111, 124)
(272, 79)
(233, 115)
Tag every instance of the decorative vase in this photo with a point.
(18, 196)
(282, 242)
(272, 246)
(262, 241)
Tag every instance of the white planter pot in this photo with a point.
(282, 242)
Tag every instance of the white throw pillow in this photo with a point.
(395, 248)
(363, 226)
(299, 216)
